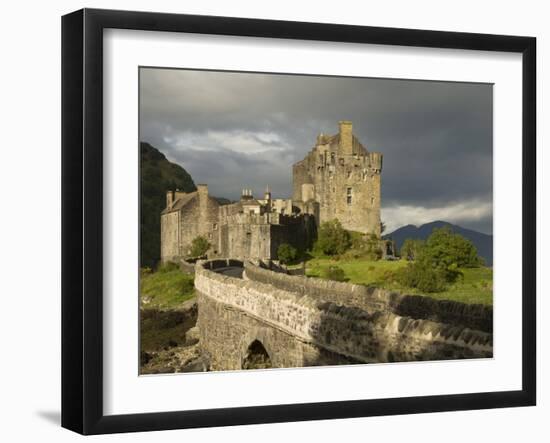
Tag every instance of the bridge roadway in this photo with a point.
(231, 271)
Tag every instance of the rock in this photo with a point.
(192, 336)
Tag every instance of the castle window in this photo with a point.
(348, 196)
(215, 226)
(341, 162)
(372, 200)
(349, 174)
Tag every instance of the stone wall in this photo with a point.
(188, 215)
(187, 266)
(258, 236)
(169, 234)
(198, 218)
(473, 316)
(302, 329)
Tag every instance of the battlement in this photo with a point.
(343, 178)
(267, 218)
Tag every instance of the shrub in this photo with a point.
(332, 238)
(287, 253)
(334, 273)
(199, 247)
(422, 276)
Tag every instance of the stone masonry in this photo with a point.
(339, 179)
(299, 322)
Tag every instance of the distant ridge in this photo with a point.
(483, 242)
(157, 175)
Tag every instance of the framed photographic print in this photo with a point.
(269, 221)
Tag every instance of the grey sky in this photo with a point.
(238, 130)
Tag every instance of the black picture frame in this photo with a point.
(82, 218)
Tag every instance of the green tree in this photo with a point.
(287, 253)
(423, 276)
(438, 261)
(199, 247)
(445, 249)
(411, 248)
(332, 238)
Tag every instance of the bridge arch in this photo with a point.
(256, 357)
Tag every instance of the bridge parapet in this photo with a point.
(474, 316)
(299, 328)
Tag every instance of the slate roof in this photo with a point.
(180, 202)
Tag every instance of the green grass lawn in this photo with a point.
(476, 285)
(165, 290)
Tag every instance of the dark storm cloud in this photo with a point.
(234, 130)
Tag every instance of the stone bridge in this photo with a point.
(260, 318)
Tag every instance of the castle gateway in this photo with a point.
(338, 179)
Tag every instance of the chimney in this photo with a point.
(346, 137)
(169, 198)
(202, 190)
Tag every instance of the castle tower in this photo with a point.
(346, 137)
(342, 179)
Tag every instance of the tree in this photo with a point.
(444, 248)
(199, 247)
(438, 261)
(332, 238)
(411, 248)
(286, 253)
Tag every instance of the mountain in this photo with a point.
(482, 242)
(157, 175)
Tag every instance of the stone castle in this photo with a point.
(338, 179)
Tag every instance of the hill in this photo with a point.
(157, 175)
(483, 242)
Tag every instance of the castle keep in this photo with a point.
(338, 179)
